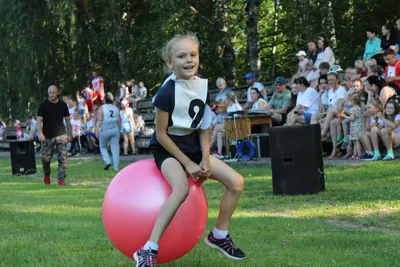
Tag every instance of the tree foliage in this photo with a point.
(61, 41)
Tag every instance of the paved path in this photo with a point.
(90, 156)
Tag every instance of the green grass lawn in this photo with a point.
(355, 222)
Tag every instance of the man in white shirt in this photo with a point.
(306, 104)
(251, 81)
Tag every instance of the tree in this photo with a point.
(252, 36)
(227, 53)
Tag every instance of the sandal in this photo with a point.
(347, 156)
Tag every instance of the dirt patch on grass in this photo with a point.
(355, 226)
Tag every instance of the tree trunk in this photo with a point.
(331, 25)
(275, 37)
(253, 54)
(306, 34)
(227, 52)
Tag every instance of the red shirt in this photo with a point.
(393, 71)
(97, 82)
(87, 93)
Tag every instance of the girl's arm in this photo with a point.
(132, 120)
(205, 151)
(99, 118)
(167, 143)
(389, 123)
(350, 118)
(321, 106)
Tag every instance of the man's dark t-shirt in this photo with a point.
(53, 115)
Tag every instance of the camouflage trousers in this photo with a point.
(59, 145)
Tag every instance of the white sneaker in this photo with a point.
(218, 156)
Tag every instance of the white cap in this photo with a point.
(17, 122)
(301, 53)
(124, 103)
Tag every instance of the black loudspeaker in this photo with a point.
(23, 159)
(296, 159)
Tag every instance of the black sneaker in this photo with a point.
(145, 258)
(225, 245)
(107, 166)
(367, 156)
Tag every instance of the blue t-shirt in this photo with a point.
(165, 101)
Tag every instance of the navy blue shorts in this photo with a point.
(160, 154)
(307, 116)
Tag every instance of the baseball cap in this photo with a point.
(249, 75)
(110, 96)
(301, 53)
(124, 103)
(280, 80)
(17, 122)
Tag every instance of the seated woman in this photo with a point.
(335, 92)
(370, 144)
(306, 104)
(257, 101)
(390, 134)
(377, 90)
(218, 131)
(223, 91)
(325, 55)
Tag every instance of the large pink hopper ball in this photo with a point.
(132, 202)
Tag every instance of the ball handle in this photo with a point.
(197, 182)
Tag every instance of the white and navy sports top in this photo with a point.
(186, 103)
(110, 117)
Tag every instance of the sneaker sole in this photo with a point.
(135, 257)
(220, 249)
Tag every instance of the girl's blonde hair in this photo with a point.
(376, 104)
(232, 97)
(356, 99)
(168, 47)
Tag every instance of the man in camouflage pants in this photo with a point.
(52, 133)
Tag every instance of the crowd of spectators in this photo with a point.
(357, 106)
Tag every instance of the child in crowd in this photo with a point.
(182, 145)
(76, 133)
(361, 65)
(139, 123)
(218, 132)
(142, 91)
(127, 127)
(357, 124)
(18, 130)
(82, 107)
(92, 140)
(374, 121)
(305, 66)
(232, 103)
(390, 134)
(356, 89)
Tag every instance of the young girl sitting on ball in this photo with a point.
(182, 144)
